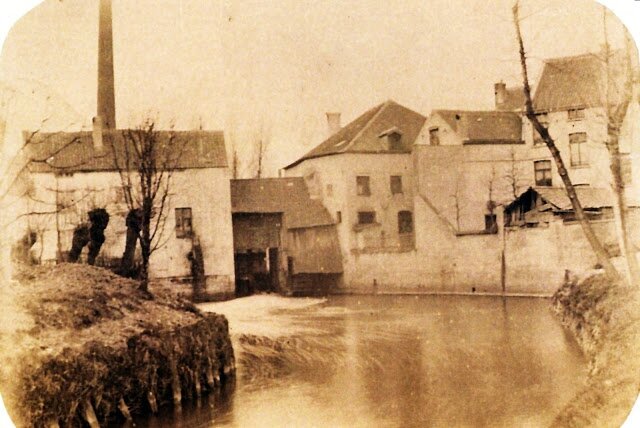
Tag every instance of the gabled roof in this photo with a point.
(589, 197)
(363, 135)
(279, 195)
(484, 127)
(70, 152)
(579, 82)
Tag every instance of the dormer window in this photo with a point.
(394, 139)
(434, 136)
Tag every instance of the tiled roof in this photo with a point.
(279, 195)
(490, 127)
(363, 135)
(75, 152)
(578, 82)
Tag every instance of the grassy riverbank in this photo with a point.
(605, 318)
(87, 341)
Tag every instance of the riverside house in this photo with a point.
(363, 173)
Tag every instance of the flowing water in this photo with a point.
(391, 361)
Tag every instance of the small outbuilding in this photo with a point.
(542, 204)
(284, 241)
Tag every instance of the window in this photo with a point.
(362, 183)
(338, 216)
(396, 184)
(578, 149)
(366, 217)
(434, 136)
(184, 227)
(329, 190)
(542, 169)
(405, 222)
(395, 141)
(544, 121)
(575, 114)
(490, 223)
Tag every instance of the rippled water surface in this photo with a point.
(391, 361)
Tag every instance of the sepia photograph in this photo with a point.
(329, 213)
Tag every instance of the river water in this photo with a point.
(395, 361)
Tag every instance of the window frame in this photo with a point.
(363, 188)
(434, 136)
(547, 173)
(361, 217)
(403, 222)
(181, 230)
(582, 152)
(574, 114)
(395, 185)
(491, 223)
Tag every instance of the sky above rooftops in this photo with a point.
(271, 70)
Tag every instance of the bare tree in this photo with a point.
(457, 201)
(260, 151)
(260, 146)
(615, 113)
(513, 176)
(596, 245)
(145, 163)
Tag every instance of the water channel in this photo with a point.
(396, 361)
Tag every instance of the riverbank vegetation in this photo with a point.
(605, 318)
(91, 347)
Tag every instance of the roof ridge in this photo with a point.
(381, 108)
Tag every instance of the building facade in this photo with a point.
(364, 175)
(70, 175)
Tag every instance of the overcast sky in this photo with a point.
(273, 68)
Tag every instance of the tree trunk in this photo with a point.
(80, 240)
(99, 218)
(596, 245)
(133, 221)
(620, 206)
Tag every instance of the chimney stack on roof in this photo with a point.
(106, 86)
(333, 123)
(500, 92)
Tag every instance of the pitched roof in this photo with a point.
(279, 195)
(590, 197)
(579, 82)
(75, 151)
(484, 127)
(364, 134)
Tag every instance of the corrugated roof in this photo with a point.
(490, 127)
(579, 82)
(75, 151)
(589, 197)
(363, 134)
(279, 195)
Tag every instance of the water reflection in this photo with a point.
(398, 361)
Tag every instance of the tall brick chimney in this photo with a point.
(106, 86)
(333, 123)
